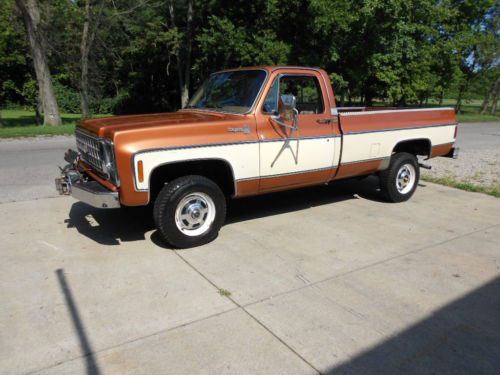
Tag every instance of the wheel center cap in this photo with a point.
(195, 214)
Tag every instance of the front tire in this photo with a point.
(189, 211)
(400, 180)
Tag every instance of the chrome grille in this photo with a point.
(90, 150)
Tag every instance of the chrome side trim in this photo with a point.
(298, 138)
(192, 146)
(288, 174)
(364, 160)
(360, 113)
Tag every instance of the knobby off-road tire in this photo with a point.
(400, 180)
(189, 211)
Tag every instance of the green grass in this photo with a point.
(21, 123)
(224, 292)
(469, 111)
(493, 190)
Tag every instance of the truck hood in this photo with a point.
(106, 127)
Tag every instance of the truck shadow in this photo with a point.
(111, 227)
(301, 199)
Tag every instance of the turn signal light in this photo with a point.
(456, 131)
(140, 171)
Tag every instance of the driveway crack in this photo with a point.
(250, 315)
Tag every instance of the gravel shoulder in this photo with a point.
(479, 158)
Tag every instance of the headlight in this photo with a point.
(108, 161)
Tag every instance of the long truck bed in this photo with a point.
(371, 135)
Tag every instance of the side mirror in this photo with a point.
(287, 107)
(287, 111)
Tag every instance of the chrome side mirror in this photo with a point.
(287, 111)
(286, 107)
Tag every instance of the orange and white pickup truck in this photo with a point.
(245, 132)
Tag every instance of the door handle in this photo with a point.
(324, 121)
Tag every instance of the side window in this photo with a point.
(306, 90)
(271, 102)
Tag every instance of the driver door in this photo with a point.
(296, 157)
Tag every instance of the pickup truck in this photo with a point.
(245, 132)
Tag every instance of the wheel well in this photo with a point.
(217, 170)
(414, 146)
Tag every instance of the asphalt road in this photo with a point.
(28, 166)
(472, 136)
(325, 280)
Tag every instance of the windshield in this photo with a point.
(233, 91)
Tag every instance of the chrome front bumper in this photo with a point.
(77, 184)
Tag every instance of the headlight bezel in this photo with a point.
(108, 160)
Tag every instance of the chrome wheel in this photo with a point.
(194, 214)
(405, 178)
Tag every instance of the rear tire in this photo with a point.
(400, 180)
(189, 211)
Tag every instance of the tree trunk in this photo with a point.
(84, 53)
(1, 122)
(463, 88)
(486, 101)
(90, 25)
(342, 100)
(38, 111)
(184, 57)
(31, 17)
(187, 65)
(494, 94)
(458, 104)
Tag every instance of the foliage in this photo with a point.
(401, 52)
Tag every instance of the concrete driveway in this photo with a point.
(324, 280)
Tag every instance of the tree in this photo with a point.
(15, 66)
(464, 27)
(183, 52)
(30, 13)
(90, 24)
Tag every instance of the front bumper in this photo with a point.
(81, 186)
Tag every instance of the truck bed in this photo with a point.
(370, 135)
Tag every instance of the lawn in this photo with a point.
(470, 111)
(21, 123)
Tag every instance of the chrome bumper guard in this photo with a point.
(82, 187)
